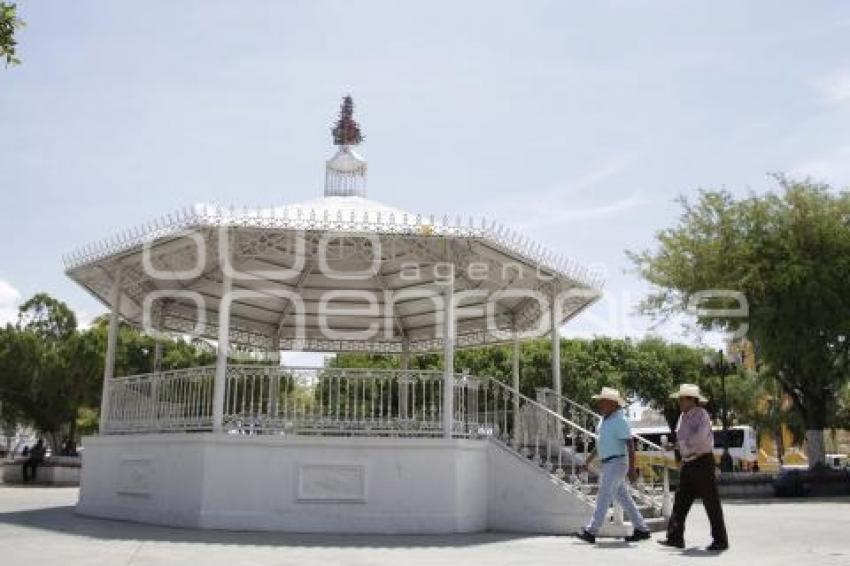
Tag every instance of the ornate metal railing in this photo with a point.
(344, 401)
(176, 400)
(262, 399)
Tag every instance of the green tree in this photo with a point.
(27, 368)
(789, 253)
(9, 23)
(647, 370)
(49, 368)
(48, 318)
(586, 365)
(675, 364)
(82, 358)
(842, 418)
(51, 373)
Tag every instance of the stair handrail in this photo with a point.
(665, 506)
(589, 411)
(542, 407)
(524, 437)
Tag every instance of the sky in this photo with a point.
(575, 123)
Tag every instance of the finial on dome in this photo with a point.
(345, 172)
(346, 131)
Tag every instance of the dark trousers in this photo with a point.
(696, 479)
(30, 464)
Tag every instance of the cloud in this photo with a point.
(612, 167)
(9, 300)
(835, 87)
(594, 212)
(84, 318)
(568, 202)
(832, 167)
(544, 212)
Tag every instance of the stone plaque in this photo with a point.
(332, 483)
(134, 475)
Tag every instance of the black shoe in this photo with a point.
(637, 536)
(672, 543)
(717, 547)
(586, 536)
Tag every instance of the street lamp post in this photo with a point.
(721, 367)
(725, 458)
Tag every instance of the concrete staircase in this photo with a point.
(541, 481)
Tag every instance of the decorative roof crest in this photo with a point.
(346, 131)
(345, 172)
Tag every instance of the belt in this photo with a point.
(609, 458)
(695, 457)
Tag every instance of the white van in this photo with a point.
(743, 445)
(653, 434)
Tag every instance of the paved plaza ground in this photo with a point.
(39, 526)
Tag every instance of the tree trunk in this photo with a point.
(672, 418)
(815, 448)
(72, 430)
(53, 439)
(780, 445)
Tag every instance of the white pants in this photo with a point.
(613, 483)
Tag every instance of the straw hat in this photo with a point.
(610, 394)
(689, 390)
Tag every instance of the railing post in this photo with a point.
(154, 392)
(404, 382)
(554, 312)
(515, 372)
(111, 345)
(448, 357)
(157, 369)
(666, 503)
(223, 348)
(274, 391)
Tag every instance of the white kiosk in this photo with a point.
(251, 444)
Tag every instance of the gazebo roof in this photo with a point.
(335, 206)
(338, 273)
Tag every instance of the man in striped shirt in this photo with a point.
(696, 478)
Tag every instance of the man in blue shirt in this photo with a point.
(617, 457)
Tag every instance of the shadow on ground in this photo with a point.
(64, 520)
(784, 500)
